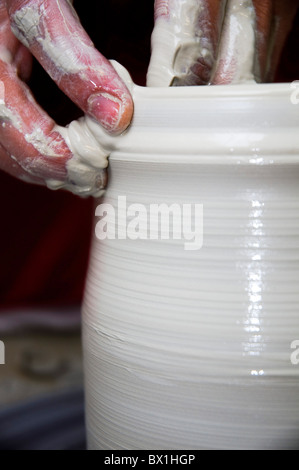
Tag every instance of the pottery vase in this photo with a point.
(191, 309)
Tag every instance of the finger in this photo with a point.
(12, 129)
(9, 45)
(53, 33)
(35, 149)
(185, 41)
(11, 50)
(27, 133)
(236, 55)
(254, 34)
(11, 166)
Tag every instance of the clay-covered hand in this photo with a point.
(199, 42)
(32, 147)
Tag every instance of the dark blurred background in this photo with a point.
(44, 249)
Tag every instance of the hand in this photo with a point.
(31, 145)
(218, 41)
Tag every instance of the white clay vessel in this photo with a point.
(191, 349)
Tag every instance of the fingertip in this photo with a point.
(113, 113)
(126, 116)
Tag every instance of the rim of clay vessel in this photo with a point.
(252, 124)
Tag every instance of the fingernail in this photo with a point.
(106, 109)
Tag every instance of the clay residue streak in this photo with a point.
(196, 43)
(179, 39)
(236, 57)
